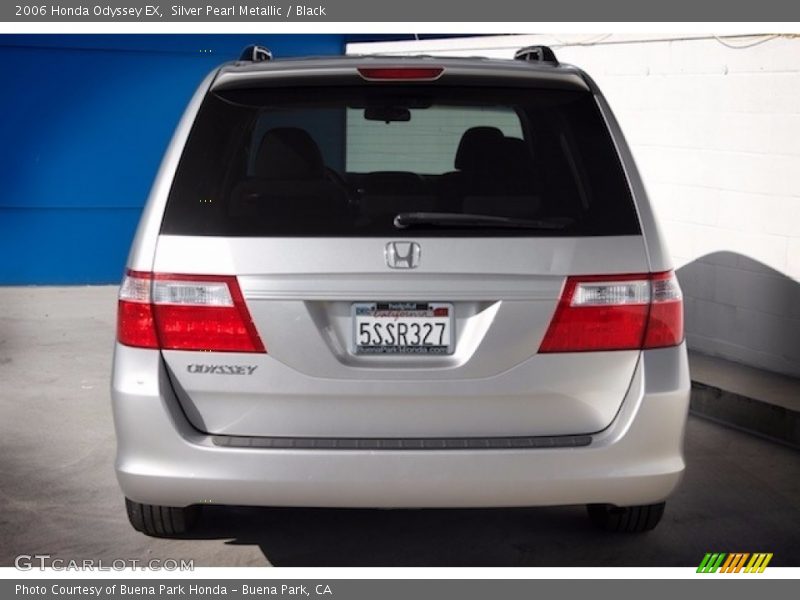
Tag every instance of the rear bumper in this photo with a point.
(162, 459)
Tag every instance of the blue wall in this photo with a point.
(85, 121)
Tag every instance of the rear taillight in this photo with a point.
(616, 312)
(185, 312)
(135, 325)
(665, 322)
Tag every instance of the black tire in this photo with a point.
(626, 519)
(161, 521)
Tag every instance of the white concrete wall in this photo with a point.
(716, 134)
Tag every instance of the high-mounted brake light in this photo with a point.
(185, 312)
(616, 312)
(400, 73)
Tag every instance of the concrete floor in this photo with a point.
(58, 494)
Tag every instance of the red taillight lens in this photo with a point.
(617, 312)
(185, 312)
(400, 73)
(665, 323)
(135, 325)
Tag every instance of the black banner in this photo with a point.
(497, 11)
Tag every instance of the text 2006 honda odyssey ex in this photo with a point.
(399, 282)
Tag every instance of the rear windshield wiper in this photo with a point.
(436, 219)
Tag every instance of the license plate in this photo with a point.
(403, 328)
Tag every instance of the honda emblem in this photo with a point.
(402, 255)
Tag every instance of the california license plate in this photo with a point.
(403, 328)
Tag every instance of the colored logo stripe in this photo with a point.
(758, 563)
(734, 562)
(711, 562)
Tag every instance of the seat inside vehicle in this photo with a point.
(495, 175)
(288, 175)
(393, 192)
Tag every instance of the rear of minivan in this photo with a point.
(371, 282)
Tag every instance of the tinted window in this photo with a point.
(346, 161)
(427, 143)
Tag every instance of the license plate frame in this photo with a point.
(410, 313)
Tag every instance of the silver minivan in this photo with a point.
(399, 282)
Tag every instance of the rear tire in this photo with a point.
(161, 521)
(626, 519)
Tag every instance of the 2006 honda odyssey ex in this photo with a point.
(399, 282)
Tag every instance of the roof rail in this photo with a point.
(256, 54)
(536, 54)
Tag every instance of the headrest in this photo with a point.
(516, 155)
(474, 146)
(290, 154)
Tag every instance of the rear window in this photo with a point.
(345, 162)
